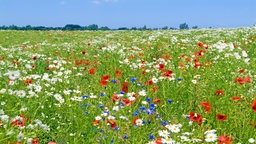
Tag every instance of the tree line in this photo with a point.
(93, 27)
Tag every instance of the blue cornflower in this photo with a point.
(150, 112)
(102, 94)
(138, 84)
(125, 137)
(148, 99)
(116, 128)
(114, 81)
(101, 130)
(86, 112)
(151, 136)
(169, 101)
(121, 92)
(142, 108)
(101, 106)
(179, 79)
(152, 105)
(135, 113)
(85, 96)
(106, 112)
(133, 79)
(164, 123)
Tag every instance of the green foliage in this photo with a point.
(184, 26)
(62, 70)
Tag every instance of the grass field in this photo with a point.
(134, 87)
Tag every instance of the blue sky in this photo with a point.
(129, 13)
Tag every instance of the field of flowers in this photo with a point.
(134, 87)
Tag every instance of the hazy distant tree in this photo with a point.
(184, 26)
(13, 27)
(165, 28)
(92, 27)
(172, 28)
(133, 28)
(28, 27)
(144, 27)
(194, 27)
(72, 27)
(104, 28)
(123, 28)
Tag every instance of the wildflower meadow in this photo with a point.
(132, 87)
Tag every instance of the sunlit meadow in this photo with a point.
(134, 87)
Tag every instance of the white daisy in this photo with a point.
(210, 137)
(163, 133)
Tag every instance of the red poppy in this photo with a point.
(254, 105)
(207, 64)
(91, 71)
(195, 117)
(181, 64)
(241, 70)
(224, 140)
(236, 98)
(19, 122)
(160, 66)
(159, 141)
(155, 88)
(112, 123)
(221, 117)
(134, 120)
(144, 72)
(115, 98)
(247, 79)
(206, 106)
(156, 100)
(34, 58)
(89, 44)
(219, 92)
(35, 141)
(28, 82)
(200, 44)
(105, 78)
(150, 82)
(243, 80)
(83, 52)
(127, 102)
(118, 73)
(103, 82)
(125, 87)
(197, 65)
(96, 122)
(167, 73)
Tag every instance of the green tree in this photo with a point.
(195, 27)
(92, 27)
(184, 26)
(104, 28)
(165, 28)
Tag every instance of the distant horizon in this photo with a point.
(99, 26)
(129, 13)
